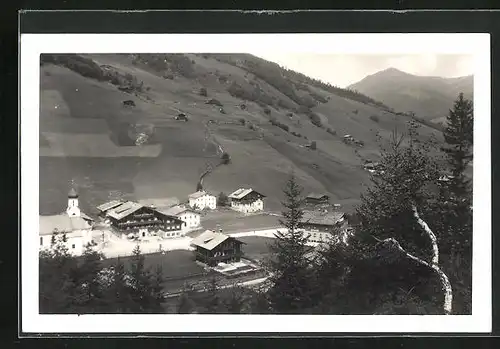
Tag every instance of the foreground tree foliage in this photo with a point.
(83, 285)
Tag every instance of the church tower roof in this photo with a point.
(72, 193)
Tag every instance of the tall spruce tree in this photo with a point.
(458, 136)
(290, 272)
(456, 201)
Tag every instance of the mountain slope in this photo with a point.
(428, 97)
(137, 150)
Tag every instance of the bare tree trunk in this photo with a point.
(430, 233)
(445, 283)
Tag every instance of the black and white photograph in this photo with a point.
(325, 181)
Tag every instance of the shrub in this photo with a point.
(214, 101)
(313, 145)
(283, 127)
(374, 118)
(242, 121)
(203, 92)
(168, 76)
(222, 199)
(267, 111)
(331, 131)
(226, 159)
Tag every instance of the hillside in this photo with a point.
(139, 151)
(429, 97)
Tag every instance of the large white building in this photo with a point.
(202, 200)
(246, 200)
(76, 225)
(187, 215)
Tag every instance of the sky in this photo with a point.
(343, 70)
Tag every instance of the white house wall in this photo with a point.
(255, 206)
(204, 202)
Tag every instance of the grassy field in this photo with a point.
(91, 133)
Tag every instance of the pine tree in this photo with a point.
(288, 264)
(235, 303)
(213, 302)
(456, 201)
(88, 279)
(458, 136)
(58, 292)
(185, 304)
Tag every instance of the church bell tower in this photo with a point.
(73, 210)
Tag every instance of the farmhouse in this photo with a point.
(132, 219)
(317, 199)
(212, 248)
(187, 215)
(202, 200)
(246, 200)
(321, 225)
(74, 224)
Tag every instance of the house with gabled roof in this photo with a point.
(323, 225)
(186, 214)
(212, 248)
(202, 200)
(246, 200)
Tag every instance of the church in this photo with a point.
(75, 224)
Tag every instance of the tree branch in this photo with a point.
(430, 233)
(445, 283)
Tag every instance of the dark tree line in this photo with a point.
(84, 285)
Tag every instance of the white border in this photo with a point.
(474, 44)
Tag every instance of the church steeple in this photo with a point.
(73, 210)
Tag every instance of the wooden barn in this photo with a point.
(129, 217)
(212, 248)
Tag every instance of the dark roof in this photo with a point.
(316, 196)
(72, 193)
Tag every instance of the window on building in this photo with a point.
(73, 246)
(41, 240)
(143, 234)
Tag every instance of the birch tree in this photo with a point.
(393, 210)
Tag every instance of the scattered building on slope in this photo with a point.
(202, 200)
(317, 199)
(133, 220)
(74, 224)
(212, 248)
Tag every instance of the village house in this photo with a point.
(187, 215)
(74, 224)
(133, 220)
(212, 248)
(246, 200)
(317, 199)
(201, 200)
(321, 225)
